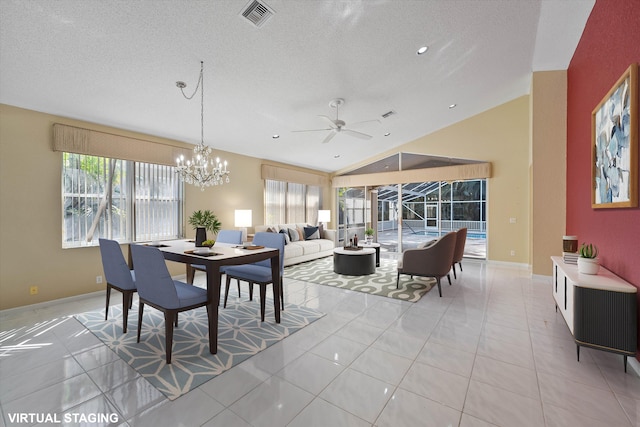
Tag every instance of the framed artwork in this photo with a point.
(614, 138)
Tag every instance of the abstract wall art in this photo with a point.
(614, 131)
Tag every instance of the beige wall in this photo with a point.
(548, 167)
(500, 136)
(31, 251)
(520, 138)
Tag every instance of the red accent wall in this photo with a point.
(609, 44)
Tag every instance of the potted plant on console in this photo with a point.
(203, 221)
(588, 262)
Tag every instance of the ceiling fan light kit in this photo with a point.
(338, 126)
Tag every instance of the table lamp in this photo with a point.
(243, 220)
(324, 216)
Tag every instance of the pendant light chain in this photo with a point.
(196, 171)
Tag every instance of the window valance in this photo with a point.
(72, 139)
(277, 173)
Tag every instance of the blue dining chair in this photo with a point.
(259, 273)
(118, 277)
(157, 289)
(224, 236)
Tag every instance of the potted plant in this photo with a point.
(203, 221)
(368, 232)
(588, 262)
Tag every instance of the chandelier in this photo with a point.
(201, 171)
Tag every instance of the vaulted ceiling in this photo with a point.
(117, 63)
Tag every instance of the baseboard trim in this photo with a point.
(521, 265)
(45, 304)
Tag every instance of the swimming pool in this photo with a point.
(475, 235)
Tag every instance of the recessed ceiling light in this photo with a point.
(276, 136)
(387, 134)
(337, 156)
(422, 50)
(452, 106)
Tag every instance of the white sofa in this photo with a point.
(304, 250)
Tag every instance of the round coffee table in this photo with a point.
(354, 262)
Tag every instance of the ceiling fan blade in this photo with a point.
(331, 122)
(365, 121)
(329, 137)
(312, 130)
(356, 134)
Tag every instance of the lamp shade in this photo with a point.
(324, 216)
(243, 218)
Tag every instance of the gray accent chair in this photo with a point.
(259, 273)
(157, 289)
(431, 261)
(461, 240)
(118, 277)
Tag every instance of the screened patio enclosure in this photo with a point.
(405, 215)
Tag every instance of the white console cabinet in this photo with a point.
(600, 309)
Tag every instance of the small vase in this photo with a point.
(588, 265)
(201, 236)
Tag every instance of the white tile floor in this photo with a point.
(491, 351)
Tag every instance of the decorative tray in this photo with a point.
(252, 247)
(156, 246)
(191, 252)
(352, 248)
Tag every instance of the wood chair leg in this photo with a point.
(191, 274)
(282, 293)
(398, 281)
(449, 279)
(454, 271)
(126, 303)
(226, 292)
(106, 310)
(439, 287)
(140, 310)
(250, 291)
(263, 295)
(169, 320)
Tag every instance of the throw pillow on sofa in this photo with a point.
(293, 235)
(287, 239)
(311, 233)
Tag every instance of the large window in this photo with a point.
(287, 202)
(118, 199)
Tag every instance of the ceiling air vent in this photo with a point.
(257, 13)
(388, 114)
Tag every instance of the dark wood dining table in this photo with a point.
(182, 251)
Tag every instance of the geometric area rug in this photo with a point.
(240, 336)
(382, 282)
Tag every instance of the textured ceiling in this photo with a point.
(116, 63)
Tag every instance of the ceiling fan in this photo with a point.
(338, 126)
